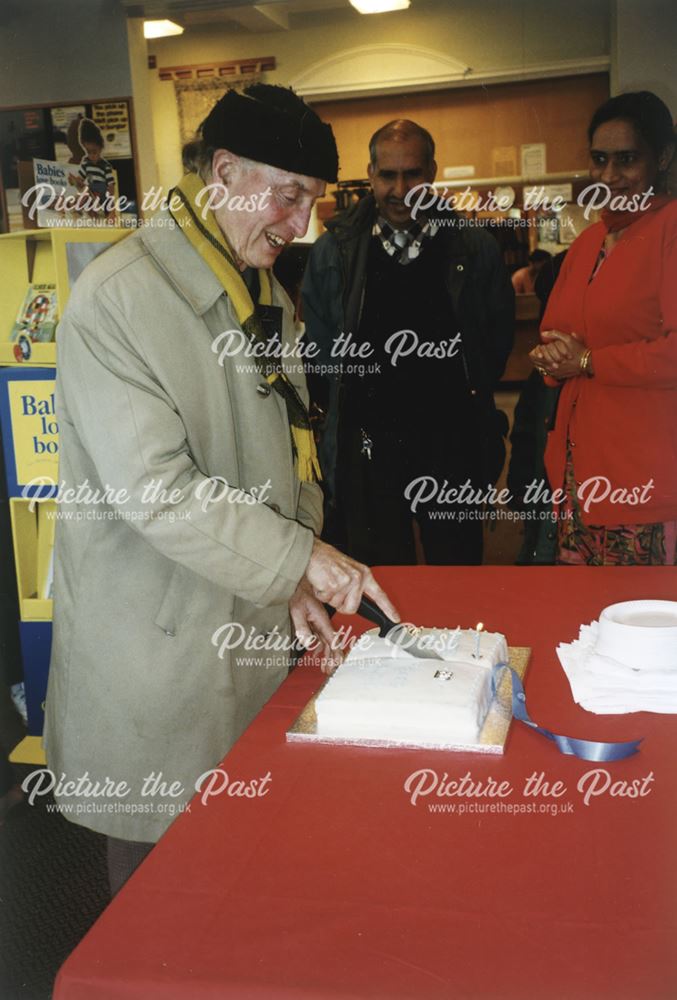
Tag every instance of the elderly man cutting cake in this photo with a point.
(212, 462)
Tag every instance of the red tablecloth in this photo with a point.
(334, 885)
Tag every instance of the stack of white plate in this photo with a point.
(627, 661)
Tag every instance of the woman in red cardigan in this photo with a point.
(609, 336)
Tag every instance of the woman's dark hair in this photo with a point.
(648, 115)
(89, 131)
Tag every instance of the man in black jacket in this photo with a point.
(410, 311)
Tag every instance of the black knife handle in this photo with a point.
(372, 613)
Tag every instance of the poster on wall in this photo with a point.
(65, 132)
(113, 120)
(533, 156)
(54, 134)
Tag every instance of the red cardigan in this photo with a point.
(622, 423)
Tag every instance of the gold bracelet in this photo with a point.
(584, 363)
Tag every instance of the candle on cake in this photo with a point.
(478, 638)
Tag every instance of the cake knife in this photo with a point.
(396, 633)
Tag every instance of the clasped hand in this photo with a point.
(560, 355)
(334, 578)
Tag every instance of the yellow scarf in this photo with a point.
(202, 231)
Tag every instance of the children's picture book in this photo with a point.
(54, 199)
(37, 316)
(71, 194)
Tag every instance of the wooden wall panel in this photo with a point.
(467, 123)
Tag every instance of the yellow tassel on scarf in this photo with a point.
(202, 231)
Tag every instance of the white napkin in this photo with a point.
(608, 687)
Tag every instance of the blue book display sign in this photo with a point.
(31, 447)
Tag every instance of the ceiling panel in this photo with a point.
(248, 14)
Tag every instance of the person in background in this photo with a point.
(609, 338)
(534, 417)
(205, 458)
(431, 305)
(524, 280)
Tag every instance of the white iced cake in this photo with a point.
(384, 693)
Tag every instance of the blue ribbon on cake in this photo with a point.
(585, 749)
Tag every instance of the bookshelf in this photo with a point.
(43, 256)
(30, 439)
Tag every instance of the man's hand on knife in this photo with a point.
(332, 578)
(340, 581)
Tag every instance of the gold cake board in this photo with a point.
(492, 739)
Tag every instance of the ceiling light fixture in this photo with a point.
(379, 6)
(161, 29)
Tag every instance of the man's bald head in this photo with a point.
(402, 159)
(402, 130)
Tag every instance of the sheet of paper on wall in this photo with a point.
(533, 160)
(547, 227)
(504, 161)
(455, 173)
(113, 120)
(547, 196)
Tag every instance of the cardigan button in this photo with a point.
(274, 507)
(263, 389)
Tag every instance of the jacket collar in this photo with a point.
(354, 220)
(182, 264)
(361, 216)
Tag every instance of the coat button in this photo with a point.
(170, 635)
(275, 507)
(459, 267)
(572, 443)
(263, 389)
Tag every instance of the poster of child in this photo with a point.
(95, 174)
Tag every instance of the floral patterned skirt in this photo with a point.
(581, 544)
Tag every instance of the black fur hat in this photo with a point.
(273, 125)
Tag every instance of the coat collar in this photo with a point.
(355, 220)
(184, 267)
(360, 217)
